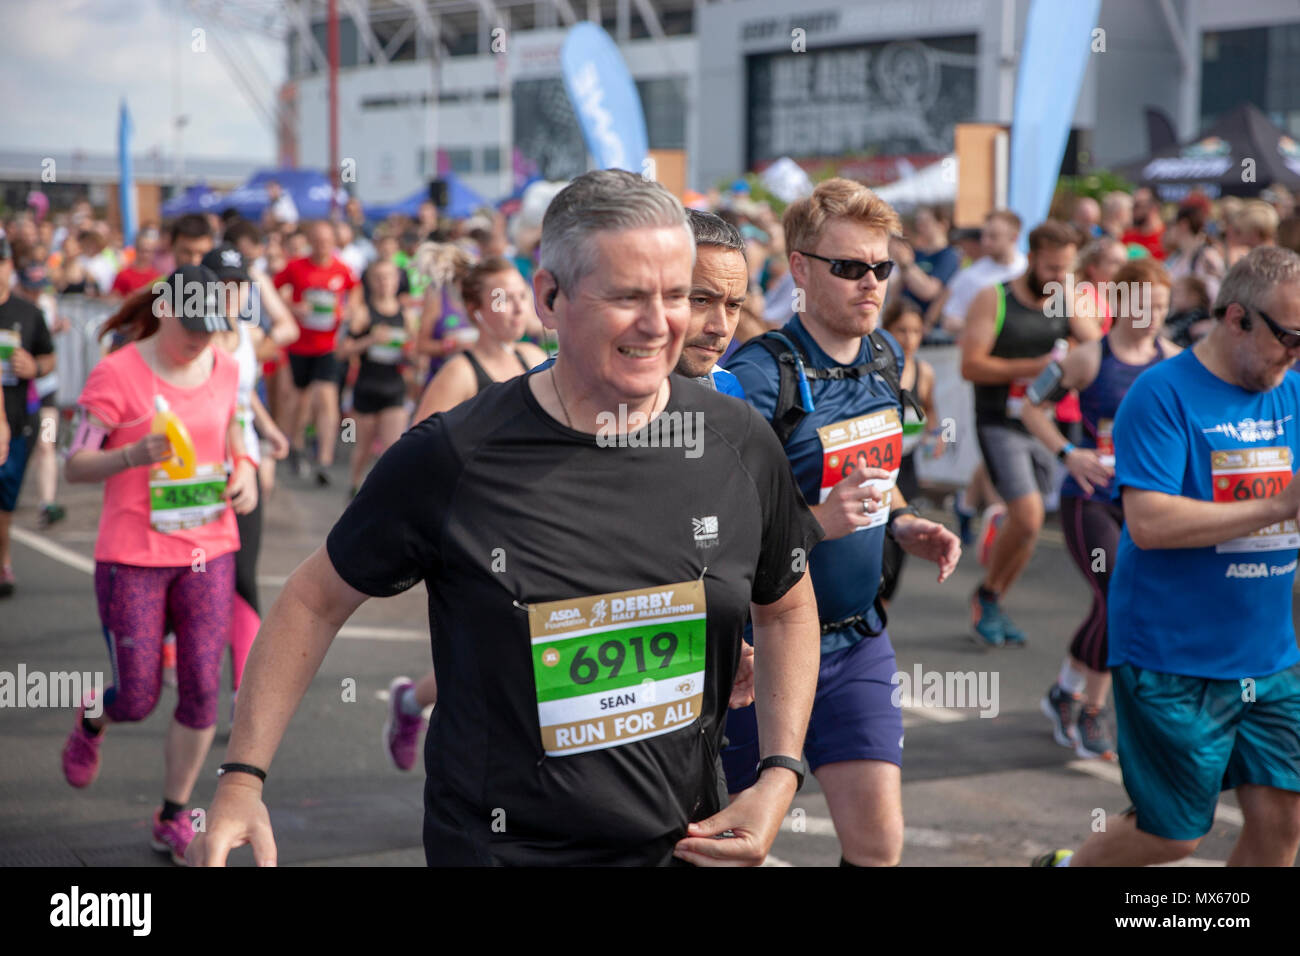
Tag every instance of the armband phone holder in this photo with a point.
(1047, 386)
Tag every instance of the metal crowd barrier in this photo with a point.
(77, 348)
(953, 399)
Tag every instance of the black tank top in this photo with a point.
(380, 363)
(1021, 333)
(481, 375)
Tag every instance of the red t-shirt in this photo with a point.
(325, 289)
(1152, 242)
(131, 278)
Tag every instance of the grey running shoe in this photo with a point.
(1058, 706)
(1092, 739)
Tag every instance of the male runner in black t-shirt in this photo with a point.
(26, 353)
(589, 576)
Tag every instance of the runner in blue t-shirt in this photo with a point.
(851, 430)
(1202, 645)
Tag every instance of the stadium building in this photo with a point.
(871, 87)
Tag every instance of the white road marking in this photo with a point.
(912, 836)
(1194, 861)
(775, 861)
(51, 550)
(1101, 769)
(79, 562)
(1110, 772)
(363, 633)
(938, 715)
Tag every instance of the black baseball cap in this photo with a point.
(228, 263)
(196, 296)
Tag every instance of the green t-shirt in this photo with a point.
(417, 282)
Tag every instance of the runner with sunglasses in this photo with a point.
(1207, 684)
(828, 382)
(1008, 340)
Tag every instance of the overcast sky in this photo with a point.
(65, 64)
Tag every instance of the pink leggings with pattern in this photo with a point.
(137, 607)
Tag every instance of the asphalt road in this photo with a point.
(977, 791)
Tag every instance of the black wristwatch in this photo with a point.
(1064, 453)
(789, 763)
(898, 513)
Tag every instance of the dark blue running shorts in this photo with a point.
(853, 715)
(11, 472)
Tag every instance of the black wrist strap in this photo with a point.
(226, 768)
(898, 513)
(789, 763)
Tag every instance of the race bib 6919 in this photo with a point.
(614, 668)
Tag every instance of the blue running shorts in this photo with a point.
(853, 715)
(1184, 739)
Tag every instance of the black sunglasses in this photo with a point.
(855, 268)
(1289, 338)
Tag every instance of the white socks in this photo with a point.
(1070, 679)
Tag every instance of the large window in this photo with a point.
(664, 104)
(1259, 66)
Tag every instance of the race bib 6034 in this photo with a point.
(868, 441)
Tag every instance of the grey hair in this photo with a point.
(605, 200)
(1255, 276)
(712, 230)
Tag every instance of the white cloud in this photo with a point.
(65, 65)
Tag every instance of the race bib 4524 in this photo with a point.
(183, 503)
(614, 668)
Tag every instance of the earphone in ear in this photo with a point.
(1246, 323)
(550, 297)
